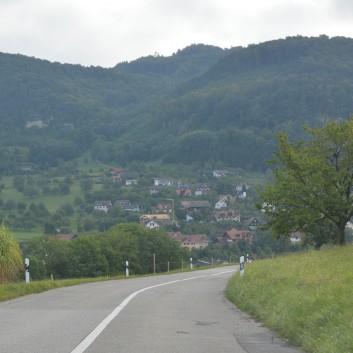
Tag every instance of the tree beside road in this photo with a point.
(313, 181)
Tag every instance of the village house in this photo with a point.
(116, 174)
(226, 198)
(102, 205)
(127, 205)
(183, 190)
(219, 173)
(201, 189)
(163, 182)
(227, 215)
(220, 204)
(164, 208)
(130, 182)
(241, 191)
(234, 235)
(151, 225)
(160, 218)
(253, 223)
(192, 241)
(195, 241)
(296, 237)
(192, 206)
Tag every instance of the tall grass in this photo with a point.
(11, 261)
(306, 298)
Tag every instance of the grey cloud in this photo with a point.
(342, 9)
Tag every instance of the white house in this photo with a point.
(220, 204)
(219, 173)
(103, 205)
(202, 189)
(296, 237)
(130, 182)
(163, 181)
(152, 225)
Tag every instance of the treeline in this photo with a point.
(146, 250)
(104, 254)
(246, 149)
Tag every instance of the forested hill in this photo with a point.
(202, 104)
(186, 63)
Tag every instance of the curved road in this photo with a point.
(185, 312)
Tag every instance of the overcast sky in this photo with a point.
(106, 32)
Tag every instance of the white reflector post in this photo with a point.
(241, 266)
(27, 269)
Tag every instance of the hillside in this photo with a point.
(202, 105)
(51, 112)
(231, 112)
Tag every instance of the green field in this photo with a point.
(306, 298)
(52, 202)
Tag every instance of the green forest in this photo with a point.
(203, 104)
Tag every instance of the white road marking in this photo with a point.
(98, 330)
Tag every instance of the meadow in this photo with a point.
(305, 298)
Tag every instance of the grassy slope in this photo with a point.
(306, 298)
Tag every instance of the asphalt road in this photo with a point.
(184, 312)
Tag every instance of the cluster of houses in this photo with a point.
(106, 205)
(200, 241)
(164, 212)
(200, 189)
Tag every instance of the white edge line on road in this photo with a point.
(98, 330)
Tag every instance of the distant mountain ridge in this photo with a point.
(203, 104)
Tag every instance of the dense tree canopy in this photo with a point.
(218, 105)
(105, 253)
(312, 191)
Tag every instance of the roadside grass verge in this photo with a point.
(306, 298)
(18, 289)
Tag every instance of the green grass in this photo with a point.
(51, 202)
(9, 192)
(24, 235)
(306, 298)
(19, 289)
(15, 290)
